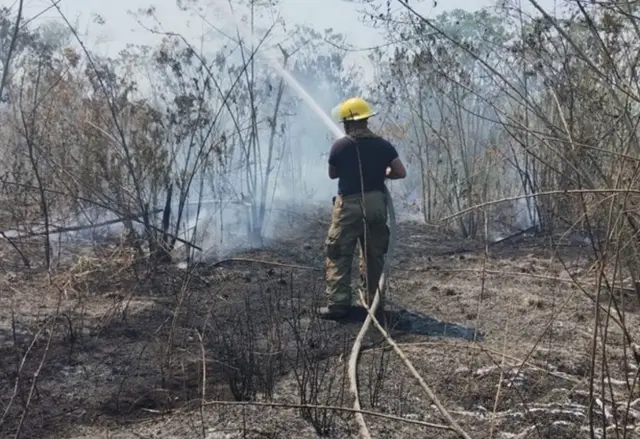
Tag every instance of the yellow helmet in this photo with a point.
(353, 109)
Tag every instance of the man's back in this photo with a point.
(375, 154)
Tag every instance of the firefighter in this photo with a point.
(359, 209)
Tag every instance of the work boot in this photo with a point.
(333, 312)
(380, 313)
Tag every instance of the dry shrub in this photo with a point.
(91, 275)
(320, 371)
(249, 344)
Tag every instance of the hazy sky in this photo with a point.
(121, 28)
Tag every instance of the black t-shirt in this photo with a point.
(376, 154)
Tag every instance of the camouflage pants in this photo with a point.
(347, 229)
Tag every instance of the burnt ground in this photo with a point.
(119, 353)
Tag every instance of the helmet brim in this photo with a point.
(359, 117)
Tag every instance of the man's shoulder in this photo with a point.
(344, 140)
(386, 150)
(341, 143)
(381, 141)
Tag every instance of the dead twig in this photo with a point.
(263, 262)
(540, 194)
(500, 380)
(511, 273)
(489, 351)
(443, 411)
(12, 45)
(25, 260)
(36, 374)
(53, 231)
(326, 407)
(23, 361)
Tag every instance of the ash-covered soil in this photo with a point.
(233, 350)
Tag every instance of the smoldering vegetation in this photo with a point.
(163, 213)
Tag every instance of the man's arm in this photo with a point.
(396, 169)
(333, 172)
(333, 161)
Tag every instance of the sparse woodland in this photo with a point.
(163, 212)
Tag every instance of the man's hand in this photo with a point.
(396, 170)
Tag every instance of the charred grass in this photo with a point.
(109, 347)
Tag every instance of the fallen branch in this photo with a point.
(355, 355)
(443, 411)
(581, 285)
(106, 207)
(263, 262)
(489, 351)
(326, 407)
(78, 228)
(25, 260)
(513, 236)
(417, 270)
(36, 374)
(540, 194)
(22, 363)
(510, 273)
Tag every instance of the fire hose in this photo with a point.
(355, 349)
(371, 310)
